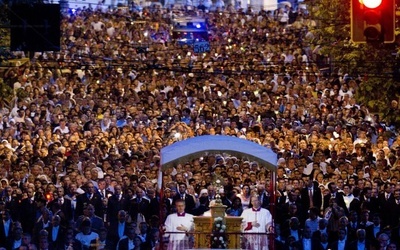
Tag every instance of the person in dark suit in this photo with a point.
(15, 241)
(355, 221)
(292, 228)
(89, 197)
(28, 217)
(323, 241)
(119, 228)
(153, 241)
(43, 222)
(280, 200)
(341, 243)
(44, 244)
(143, 231)
(104, 194)
(278, 241)
(203, 207)
(355, 204)
(353, 225)
(182, 195)
(316, 196)
(90, 213)
(123, 244)
(264, 195)
(154, 204)
(5, 227)
(360, 241)
(345, 225)
(293, 212)
(102, 190)
(384, 242)
(306, 242)
(116, 202)
(338, 196)
(167, 202)
(69, 240)
(11, 202)
(386, 202)
(395, 209)
(56, 233)
(372, 231)
(395, 233)
(369, 200)
(6, 194)
(62, 207)
(301, 212)
(322, 224)
(139, 206)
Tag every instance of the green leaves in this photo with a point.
(373, 64)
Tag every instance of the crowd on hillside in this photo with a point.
(80, 149)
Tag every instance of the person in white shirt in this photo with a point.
(305, 242)
(86, 235)
(179, 224)
(256, 220)
(313, 220)
(62, 127)
(361, 242)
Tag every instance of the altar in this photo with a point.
(203, 227)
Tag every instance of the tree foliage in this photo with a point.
(374, 65)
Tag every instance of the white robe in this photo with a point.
(178, 240)
(262, 217)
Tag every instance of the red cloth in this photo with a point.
(249, 226)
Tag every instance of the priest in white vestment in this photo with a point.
(178, 226)
(256, 220)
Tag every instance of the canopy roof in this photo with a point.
(196, 147)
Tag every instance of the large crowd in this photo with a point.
(80, 149)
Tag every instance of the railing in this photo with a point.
(235, 240)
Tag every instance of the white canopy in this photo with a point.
(189, 149)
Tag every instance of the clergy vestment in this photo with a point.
(179, 239)
(264, 218)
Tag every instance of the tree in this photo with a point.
(373, 65)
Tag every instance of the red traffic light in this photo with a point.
(372, 21)
(372, 4)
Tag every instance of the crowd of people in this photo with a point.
(80, 149)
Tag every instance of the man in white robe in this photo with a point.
(178, 226)
(256, 220)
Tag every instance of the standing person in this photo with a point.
(116, 203)
(65, 206)
(15, 241)
(127, 242)
(236, 209)
(56, 233)
(179, 224)
(86, 235)
(118, 228)
(29, 208)
(5, 227)
(256, 220)
(190, 203)
(91, 196)
(245, 196)
(139, 207)
(311, 195)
